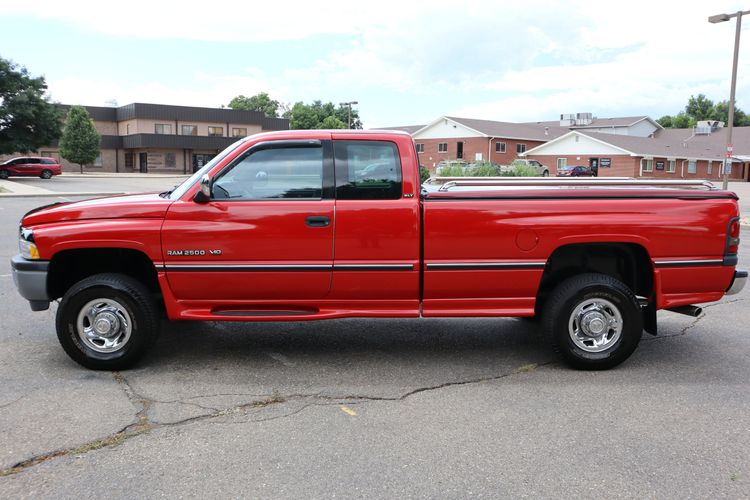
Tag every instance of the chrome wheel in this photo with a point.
(104, 325)
(595, 325)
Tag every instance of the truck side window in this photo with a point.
(367, 170)
(282, 173)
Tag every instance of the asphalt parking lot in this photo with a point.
(372, 408)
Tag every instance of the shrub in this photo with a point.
(424, 174)
(451, 170)
(483, 168)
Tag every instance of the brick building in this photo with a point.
(667, 153)
(450, 138)
(162, 138)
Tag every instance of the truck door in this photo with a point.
(377, 227)
(266, 234)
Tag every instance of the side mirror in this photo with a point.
(204, 195)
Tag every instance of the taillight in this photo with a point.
(733, 236)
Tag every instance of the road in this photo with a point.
(372, 408)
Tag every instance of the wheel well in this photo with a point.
(626, 262)
(71, 266)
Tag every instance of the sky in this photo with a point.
(406, 63)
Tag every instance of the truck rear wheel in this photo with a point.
(593, 321)
(107, 321)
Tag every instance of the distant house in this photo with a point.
(452, 138)
(666, 153)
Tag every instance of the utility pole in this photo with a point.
(349, 105)
(720, 18)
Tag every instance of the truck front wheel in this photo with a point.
(593, 321)
(107, 321)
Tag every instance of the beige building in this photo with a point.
(161, 138)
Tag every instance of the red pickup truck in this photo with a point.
(307, 225)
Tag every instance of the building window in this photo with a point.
(189, 130)
(499, 147)
(520, 148)
(562, 163)
(127, 129)
(98, 160)
(443, 147)
(239, 132)
(129, 160)
(671, 164)
(692, 166)
(647, 165)
(163, 128)
(170, 160)
(216, 131)
(420, 148)
(710, 167)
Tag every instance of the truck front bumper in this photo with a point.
(738, 283)
(30, 277)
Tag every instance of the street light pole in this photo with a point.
(719, 18)
(349, 105)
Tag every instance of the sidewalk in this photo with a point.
(10, 189)
(124, 175)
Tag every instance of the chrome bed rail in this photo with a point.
(454, 182)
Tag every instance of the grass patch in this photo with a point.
(527, 368)
(107, 442)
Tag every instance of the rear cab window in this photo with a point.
(367, 170)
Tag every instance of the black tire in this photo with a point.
(137, 309)
(545, 173)
(4, 174)
(46, 174)
(601, 293)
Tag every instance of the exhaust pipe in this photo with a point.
(693, 311)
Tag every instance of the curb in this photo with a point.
(63, 194)
(123, 176)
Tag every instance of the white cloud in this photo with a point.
(506, 61)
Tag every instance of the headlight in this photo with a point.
(26, 244)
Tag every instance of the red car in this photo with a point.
(30, 166)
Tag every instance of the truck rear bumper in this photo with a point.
(30, 277)
(738, 283)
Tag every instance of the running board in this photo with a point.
(255, 312)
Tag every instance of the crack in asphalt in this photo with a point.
(142, 424)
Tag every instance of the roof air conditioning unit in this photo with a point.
(567, 120)
(584, 118)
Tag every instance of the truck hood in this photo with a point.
(114, 207)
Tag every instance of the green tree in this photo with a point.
(80, 141)
(28, 120)
(700, 107)
(331, 122)
(683, 120)
(259, 102)
(721, 113)
(665, 121)
(314, 115)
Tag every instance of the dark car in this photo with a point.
(30, 166)
(575, 171)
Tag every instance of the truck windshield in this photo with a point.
(177, 192)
